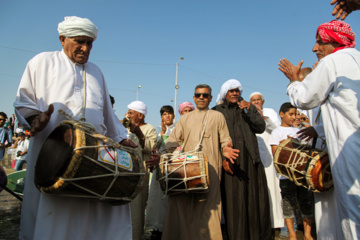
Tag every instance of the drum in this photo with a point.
(76, 162)
(304, 165)
(184, 173)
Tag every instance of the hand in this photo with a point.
(128, 143)
(230, 153)
(154, 160)
(258, 108)
(341, 9)
(314, 65)
(307, 133)
(244, 104)
(228, 167)
(39, 122)
(163, 126)
(290, 71)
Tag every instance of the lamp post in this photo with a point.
(137, 92)
(176, 85)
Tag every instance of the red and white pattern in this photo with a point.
(337, 31)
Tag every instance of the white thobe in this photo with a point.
(335, 85)
(52, 78)
(272, 121)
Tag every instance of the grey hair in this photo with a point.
(203, 86)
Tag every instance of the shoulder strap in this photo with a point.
(199, 146)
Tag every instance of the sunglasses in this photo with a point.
(205, 95)
(2, 119)
(303, 118)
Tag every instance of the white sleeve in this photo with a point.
(315, 88)
(26, 103)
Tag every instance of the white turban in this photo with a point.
(76, 26)
(256, 93)
(228, 85)
(138, 106)
(305, 112)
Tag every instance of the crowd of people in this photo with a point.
(14, 142)
(247, 198)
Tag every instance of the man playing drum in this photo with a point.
(198, 216)
(66, 80)
(335, 85)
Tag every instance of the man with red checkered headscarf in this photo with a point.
(334, 85)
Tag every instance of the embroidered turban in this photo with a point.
(138, 106)
(228, 85)
(184, 105)
(337, 31)
(76, 26)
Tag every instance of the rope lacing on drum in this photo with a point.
(90, 130)
(183, 180)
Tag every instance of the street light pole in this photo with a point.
(137, 93)
(176, 85)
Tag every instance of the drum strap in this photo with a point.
(84, 94)
(199, 146)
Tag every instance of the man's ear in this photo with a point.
(62, 40)
(281, 114)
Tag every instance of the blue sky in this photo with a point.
(139, 43)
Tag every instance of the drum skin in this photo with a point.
(319, 174)
(189, 177)
(57, 159)
(293, 161)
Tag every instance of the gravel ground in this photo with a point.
(10, 209)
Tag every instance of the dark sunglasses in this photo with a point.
(205, 95)
(2, 119)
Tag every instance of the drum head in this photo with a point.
(54, 156)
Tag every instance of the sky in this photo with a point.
(140, 41)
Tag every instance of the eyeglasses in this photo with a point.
(304, 118)
(2, 119)
(205, 95)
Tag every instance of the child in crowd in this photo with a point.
(290, 192)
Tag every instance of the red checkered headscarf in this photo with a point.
(337, 31)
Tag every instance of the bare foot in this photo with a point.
(292, 236)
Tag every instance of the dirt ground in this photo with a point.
(10, 209)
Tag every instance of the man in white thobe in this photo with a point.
(66, 80)
(335, 85)
(144, 135)
(272, 121)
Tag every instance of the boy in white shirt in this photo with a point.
(290, 192)
(22, 146)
